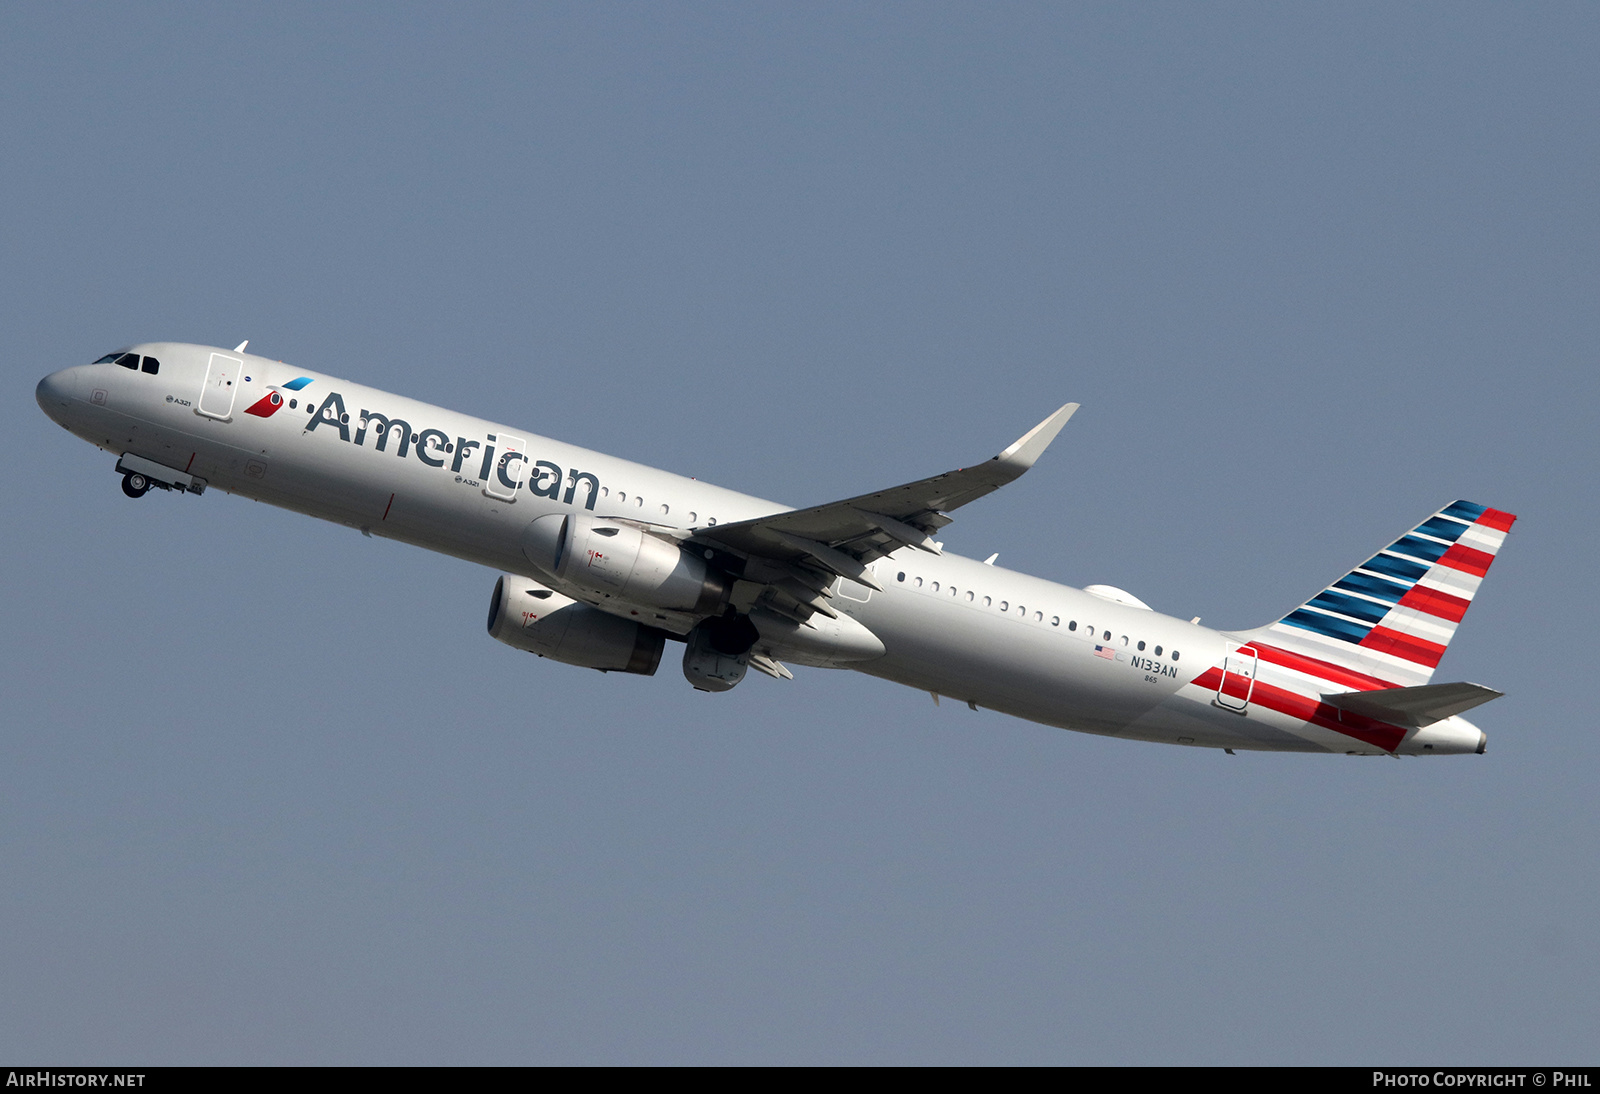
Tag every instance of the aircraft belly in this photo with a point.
(1188, 721)
(1004, 664)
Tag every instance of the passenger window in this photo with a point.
(935, 586)
(1141, 645)
(1038, 617)
(1072, 626)
(1174, 655)
(969, 596)
(1055, 621)
(901, 576)
(693, 516)
(1158, 651)
(988, 602)
(1124, 640)
(1005, 605)
(917, 582)
(1107, 637)
(151, 365)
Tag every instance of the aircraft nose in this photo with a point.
(56, 392)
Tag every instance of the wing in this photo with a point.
(798, 553)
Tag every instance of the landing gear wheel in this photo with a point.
(135, 485)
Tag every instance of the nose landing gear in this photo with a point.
(139, 475)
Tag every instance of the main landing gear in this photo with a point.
(135, 485)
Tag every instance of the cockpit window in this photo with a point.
(131, 361)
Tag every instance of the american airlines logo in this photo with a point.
(433, 446)
(268, 404)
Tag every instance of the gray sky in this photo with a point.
(269, 793)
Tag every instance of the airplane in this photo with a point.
(602, 561)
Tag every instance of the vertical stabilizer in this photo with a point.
(1391, 618)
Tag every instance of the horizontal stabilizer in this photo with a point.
(1414, 707)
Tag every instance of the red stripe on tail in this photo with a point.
(1322, 670)
(1467, 560)
(1436, 603)
(1407, 647)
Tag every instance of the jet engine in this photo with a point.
(528, 616)
(620, 559)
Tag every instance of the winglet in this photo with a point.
(1031, 445)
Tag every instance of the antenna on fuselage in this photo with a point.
(240, 347)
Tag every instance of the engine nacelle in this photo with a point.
(621, 560)
(526, 615)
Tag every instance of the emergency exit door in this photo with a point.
(1238, 679)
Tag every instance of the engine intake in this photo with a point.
(622, 560)
(528, 616)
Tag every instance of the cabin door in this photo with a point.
(221, 385)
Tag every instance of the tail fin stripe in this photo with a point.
(1497, 519)
(1397, 568)
(1423, 550)
(1443, 528)
(1375, 587)
(1453, 582)
(1365, 610)
(1420, 625)
(1473, 562)
(1466, 510)
(1404, 646)
(1434, 602)
(1330, 625)
(1322, 670)
(1482, 539)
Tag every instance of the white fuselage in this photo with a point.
(949, 625)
